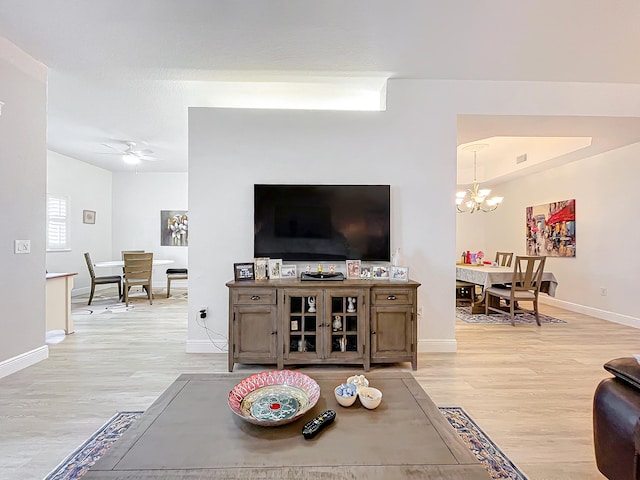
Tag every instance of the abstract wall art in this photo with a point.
(174, 228)
(551, 229)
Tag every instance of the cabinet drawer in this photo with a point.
(392, 296)
(254, 296)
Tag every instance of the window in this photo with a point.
(57, 223)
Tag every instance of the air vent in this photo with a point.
(521, 158)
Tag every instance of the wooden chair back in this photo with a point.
(87, 259)
(527, 273)
(504, 259)
(138, 268)
(122, 252)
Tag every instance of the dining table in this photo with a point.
(120, 264)
(488, 275)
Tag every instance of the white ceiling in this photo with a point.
(127, 70)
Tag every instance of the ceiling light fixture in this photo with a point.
(475, 199)
(131, 159)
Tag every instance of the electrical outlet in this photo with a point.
(603, 291)
(22, 246)
(203, 312)
(420, 311)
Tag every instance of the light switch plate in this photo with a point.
(22, 246)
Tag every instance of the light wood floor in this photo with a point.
(530, 388)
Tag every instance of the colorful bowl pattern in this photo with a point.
(274, 398)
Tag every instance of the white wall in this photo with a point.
(411, 146)
(88, 188)
(23, 128)
(606, 231)
(137, 202)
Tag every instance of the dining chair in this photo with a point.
(122, 252)
(175, 274)
(138, 269)
(101, 280)
(504, 259)
(465, 292)
(525, 287)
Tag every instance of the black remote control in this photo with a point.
(313, 427)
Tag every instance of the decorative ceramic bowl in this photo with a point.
(274, 398)
(346, 394)
(370, 397)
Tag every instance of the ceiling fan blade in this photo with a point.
(120, 151)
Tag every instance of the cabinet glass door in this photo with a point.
(344, 316)
(303, 312)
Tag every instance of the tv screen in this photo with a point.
(322, 222)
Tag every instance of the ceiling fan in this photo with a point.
(131, 154)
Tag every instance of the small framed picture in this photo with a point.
(261, 268)
(380, 272)
(275, 268)
(353, 269)
(399, 274)
(365, 272)
(88, 216)
(289, 271)
(243, 271)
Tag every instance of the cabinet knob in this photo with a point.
(373, 333)
(255, 297)
(274, 333)
(391, 297)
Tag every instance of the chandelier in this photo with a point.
(475, 198)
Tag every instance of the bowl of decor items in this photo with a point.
(346, 394)
(359, 380)
(370, 397)
(274, 398)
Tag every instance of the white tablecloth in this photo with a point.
(486, 276)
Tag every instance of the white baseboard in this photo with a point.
(437, 346)
(24, 360)
(592, 312)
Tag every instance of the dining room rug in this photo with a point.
(78, 462)
(464, 314)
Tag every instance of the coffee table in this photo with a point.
(189, 432)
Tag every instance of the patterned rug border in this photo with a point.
(485, 450)
(78, 462)
(464, 314)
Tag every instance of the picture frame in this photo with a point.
(243, 271)
(289, 271)
(380, 272)
(261, 268)
(89, 216)
(365, 272)
(275, 268)
(353, 269)
(399, 274)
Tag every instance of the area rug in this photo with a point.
(464, 314)
(81, 459)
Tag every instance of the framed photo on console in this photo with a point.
(380, 272)
(275, 268)
(289, 271)
(243, 271)
(261, 267)
(353, 269)
(399, 274)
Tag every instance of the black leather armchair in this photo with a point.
(616, 421)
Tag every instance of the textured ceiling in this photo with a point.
(127, 70)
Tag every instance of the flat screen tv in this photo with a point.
(322, 222)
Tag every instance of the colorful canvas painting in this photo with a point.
(551, 229)
(174, 228)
